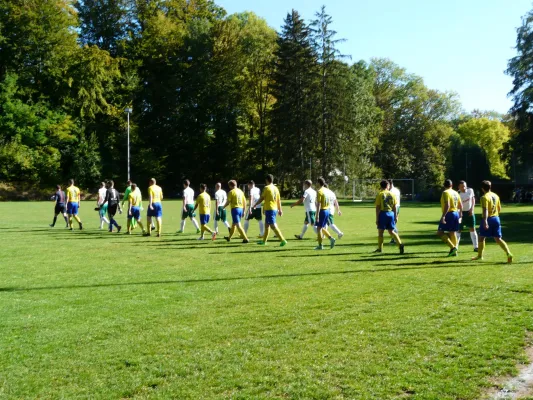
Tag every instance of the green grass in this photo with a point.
(94, 315)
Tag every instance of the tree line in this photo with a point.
(218, 96)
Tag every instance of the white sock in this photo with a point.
(182, 225)
(458, 235)
(335, 229)
(106, 220)
(195, 223)
(101, 223)
(315, 229)
(304, 229)
(261, 228)
(473, 236)
(227, 224)
(216, 226)
(246, 226)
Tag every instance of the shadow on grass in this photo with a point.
(416, 266)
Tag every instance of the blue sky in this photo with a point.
(456, 45)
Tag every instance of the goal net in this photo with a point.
(368, 189)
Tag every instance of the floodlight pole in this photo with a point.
(128, 111)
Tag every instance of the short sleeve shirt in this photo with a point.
(255, 194)
(135, 198)
(467, 198)
(156, 192)
(271, 196)
(204, 203)
(323, 199)
(73, 194)
(188, 196)
(450, 196)
(386, 201)
(310, 200)
(236, 198)
(221, 197)
(491, 201)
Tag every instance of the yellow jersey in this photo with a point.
(156, 192)
(491, 201)
(271, 196)
(386, 201)
(323, 198)
(204, 203)
(135, 198)
(451, 197)
(73, 194)
(236, 198)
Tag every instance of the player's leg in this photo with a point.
(265, 235)
(474, 238)
(149, 224)
(139, 222)
(380, 241)
(457, 238)
(65, 216)
(278, 233)
(195, 223)
(182, 226)
(480, 249)
(242, 233)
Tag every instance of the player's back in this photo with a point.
(204, 203)
(271, 196)
(310, 199)
(236, 198)
(188, 195)
(221, 197)
(386, 201)
(323, 199)
(156, 192)
(451, 197)
(491, 201)
(255, 194)
(73, 194)
(135, 198)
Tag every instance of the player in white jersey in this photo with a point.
(102, 205)
(468, 198)
(254, 212)
(220, 212)
(397, 195)
(308, 199)
(333, 206)
(188, 207)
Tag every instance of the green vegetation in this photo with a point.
(95, 315)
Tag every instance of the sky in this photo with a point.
(461, 46)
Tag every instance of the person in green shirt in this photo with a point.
(125, 198)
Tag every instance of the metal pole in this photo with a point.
(412, 190)
(129, 146)
(466, 165)
(310, 168)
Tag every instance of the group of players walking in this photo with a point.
(458, 212)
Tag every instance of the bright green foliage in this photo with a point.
(490, 136)
(107, 316)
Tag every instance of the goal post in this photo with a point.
(367, 189)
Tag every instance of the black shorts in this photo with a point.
(60, 208)
(112, 209)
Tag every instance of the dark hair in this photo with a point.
(71, 181)
(462, 183)
(486, 185)
(321, 181)
(269, 178)
(187, 182)
(384, 183)
(308, 182)
(133, 186)
(152, 181)
(58, 187)
(203, 186)
(251, 183)
(448, 183)
(232, 183)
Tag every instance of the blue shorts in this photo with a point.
(386, 221)
(157, 211)
(452, 222)
(204, 219)
(135, 213)
(323, 218)
(495, 228)
(72, 208)
(236, 215)
(270, 217)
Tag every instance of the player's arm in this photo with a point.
(261, 199)
(79, 199)
(378, 210)
(446, 209)
(244, 202)
(338, 206)
(297, 203)
(129, 206)
(184, 208)
(280, 211)
(473, 205)
(195, 205)
(251, 203)
(485, 216)
(151, 199)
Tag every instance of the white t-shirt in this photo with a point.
(467, 198)
(255, 194)
(332, 197)
(188, 196)
(221, 197)
(102, 192)
(310, 200)
(396, 193)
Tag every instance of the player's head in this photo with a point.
(448, 183)
(384, 184)
(203, 186)
(486, 186)
(133, 187)
(462, 186)
(58, 187)
(308, 183)
(152, 181)
(186, 183)
(110, 184)
(269, 178)
(102, 185)
(251, 184)
(218, 186)
(128, 182)
(232, 184)
(391, 183)
(321, 182)
(71, 182)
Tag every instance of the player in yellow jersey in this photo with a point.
(134, 208)
(490, 222)
(237, 202)
(323, 207)
(203, 204)
(155, 208)
(452, 212)
(73, 203)
(272, 208)
(387, 216)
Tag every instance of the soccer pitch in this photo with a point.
(96, 315)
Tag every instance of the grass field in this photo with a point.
(96, 315)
